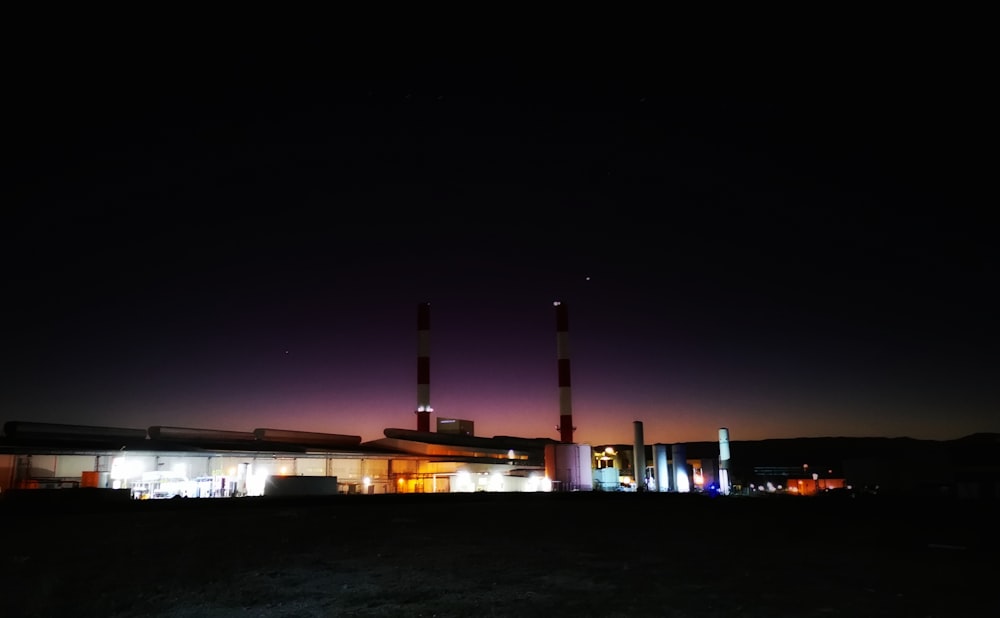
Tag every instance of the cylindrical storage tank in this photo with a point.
(570, 467)
(682, 484)
(638, 457)
(723, 444)
(550, 462)
(661, 458)
(724, 482)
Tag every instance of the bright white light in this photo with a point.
(367, 481)
(256, 481)
(683, 485)
(117, 468)
(463, 482)
(495, 483)
(546, 484)
(180, 468)
(125, 468)
(532, 484)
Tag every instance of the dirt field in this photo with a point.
(581, 554)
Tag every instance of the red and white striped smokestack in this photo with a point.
(424, 367)
(562, 357)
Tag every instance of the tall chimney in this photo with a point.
(424, 409)
(724, 482)
(565, 426)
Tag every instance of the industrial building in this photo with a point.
(166, 461)
(964, 468)
(162, 461)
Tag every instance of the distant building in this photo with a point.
(456, 426)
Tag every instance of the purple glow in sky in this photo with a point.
(240, 240)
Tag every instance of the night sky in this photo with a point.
(236, 234)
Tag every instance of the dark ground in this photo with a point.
(581, 554)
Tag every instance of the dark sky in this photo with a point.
(235, 232)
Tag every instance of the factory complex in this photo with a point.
(166, 462)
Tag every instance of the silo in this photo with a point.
(661, 457)
(682, 483)
(724, 482)
(570, 466)
(638, 456)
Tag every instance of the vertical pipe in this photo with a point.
(638, 457)
(565, 426)
(724, 482)
(424, 409)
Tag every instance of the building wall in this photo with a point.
(456, 426)
(6, 472)
(224, 475)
